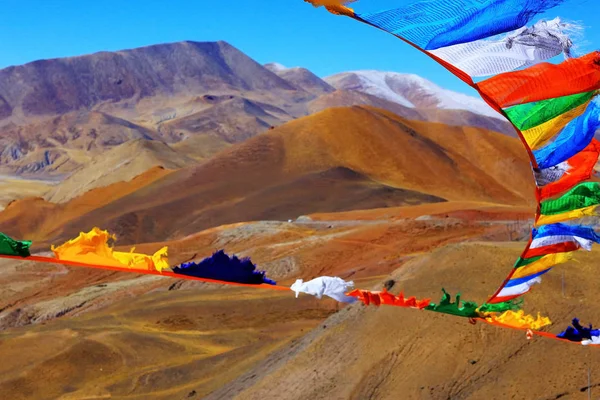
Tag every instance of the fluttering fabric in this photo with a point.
(572, 139)
(488, 309)
(530, 115)
(333, 287)
(533, 267)
(459, 308)
(578, 332)
(558, 229)
(559, 178)
(518, 319)
(500, 313)
(558, 239)
(12, 247)
(550, 104)
(432, 24)
(92, 248)
(384, 297)
(564, 244)
(523, 47)
(551, 245)
(578, 202)
(541, 134)
(541, 241)
(510, 292)
(547, 176)
(157, 261)
(594, 340)
(467, 309)
(526, 267)
(543, 81)
(221, 267)
(526, 273)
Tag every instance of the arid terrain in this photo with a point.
(367, 176)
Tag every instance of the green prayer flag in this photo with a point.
(11, 247)
(581, 196)
(530, 115)
(511, 305)
(521, 262)
(460, 308)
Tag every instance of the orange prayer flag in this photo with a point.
(543, 81)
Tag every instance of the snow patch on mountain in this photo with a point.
(273, 67)
(409, 90)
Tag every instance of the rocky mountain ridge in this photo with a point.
(55, 115)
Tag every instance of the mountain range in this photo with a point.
(57, 114)
(302, 166)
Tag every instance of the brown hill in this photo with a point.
(39, 219)
(59, 145)
(302, 79)
(368, 352)
(14, 188)
(336, 160)
(253, 344)
(121, 163)
(347, 98)
(467, 118)
(233, 120)
(200, 147)
(214, 336)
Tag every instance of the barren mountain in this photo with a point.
(39, 219)
(233, 119)
(410, 90)
(339, 159)
(60, 144)
(347, 98)
(301, 78)
(121, 163)
(16, 188)
(58, 86)
(63, 111)
(200, 147)
(57, 114)
(431, 101)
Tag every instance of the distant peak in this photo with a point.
(377, 73)
(275, 66)
(409, 90)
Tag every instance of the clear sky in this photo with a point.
(290, 32)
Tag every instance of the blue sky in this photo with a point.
(290, 32)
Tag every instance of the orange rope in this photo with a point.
(140, 271)
(539, 333)
(261, 286)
